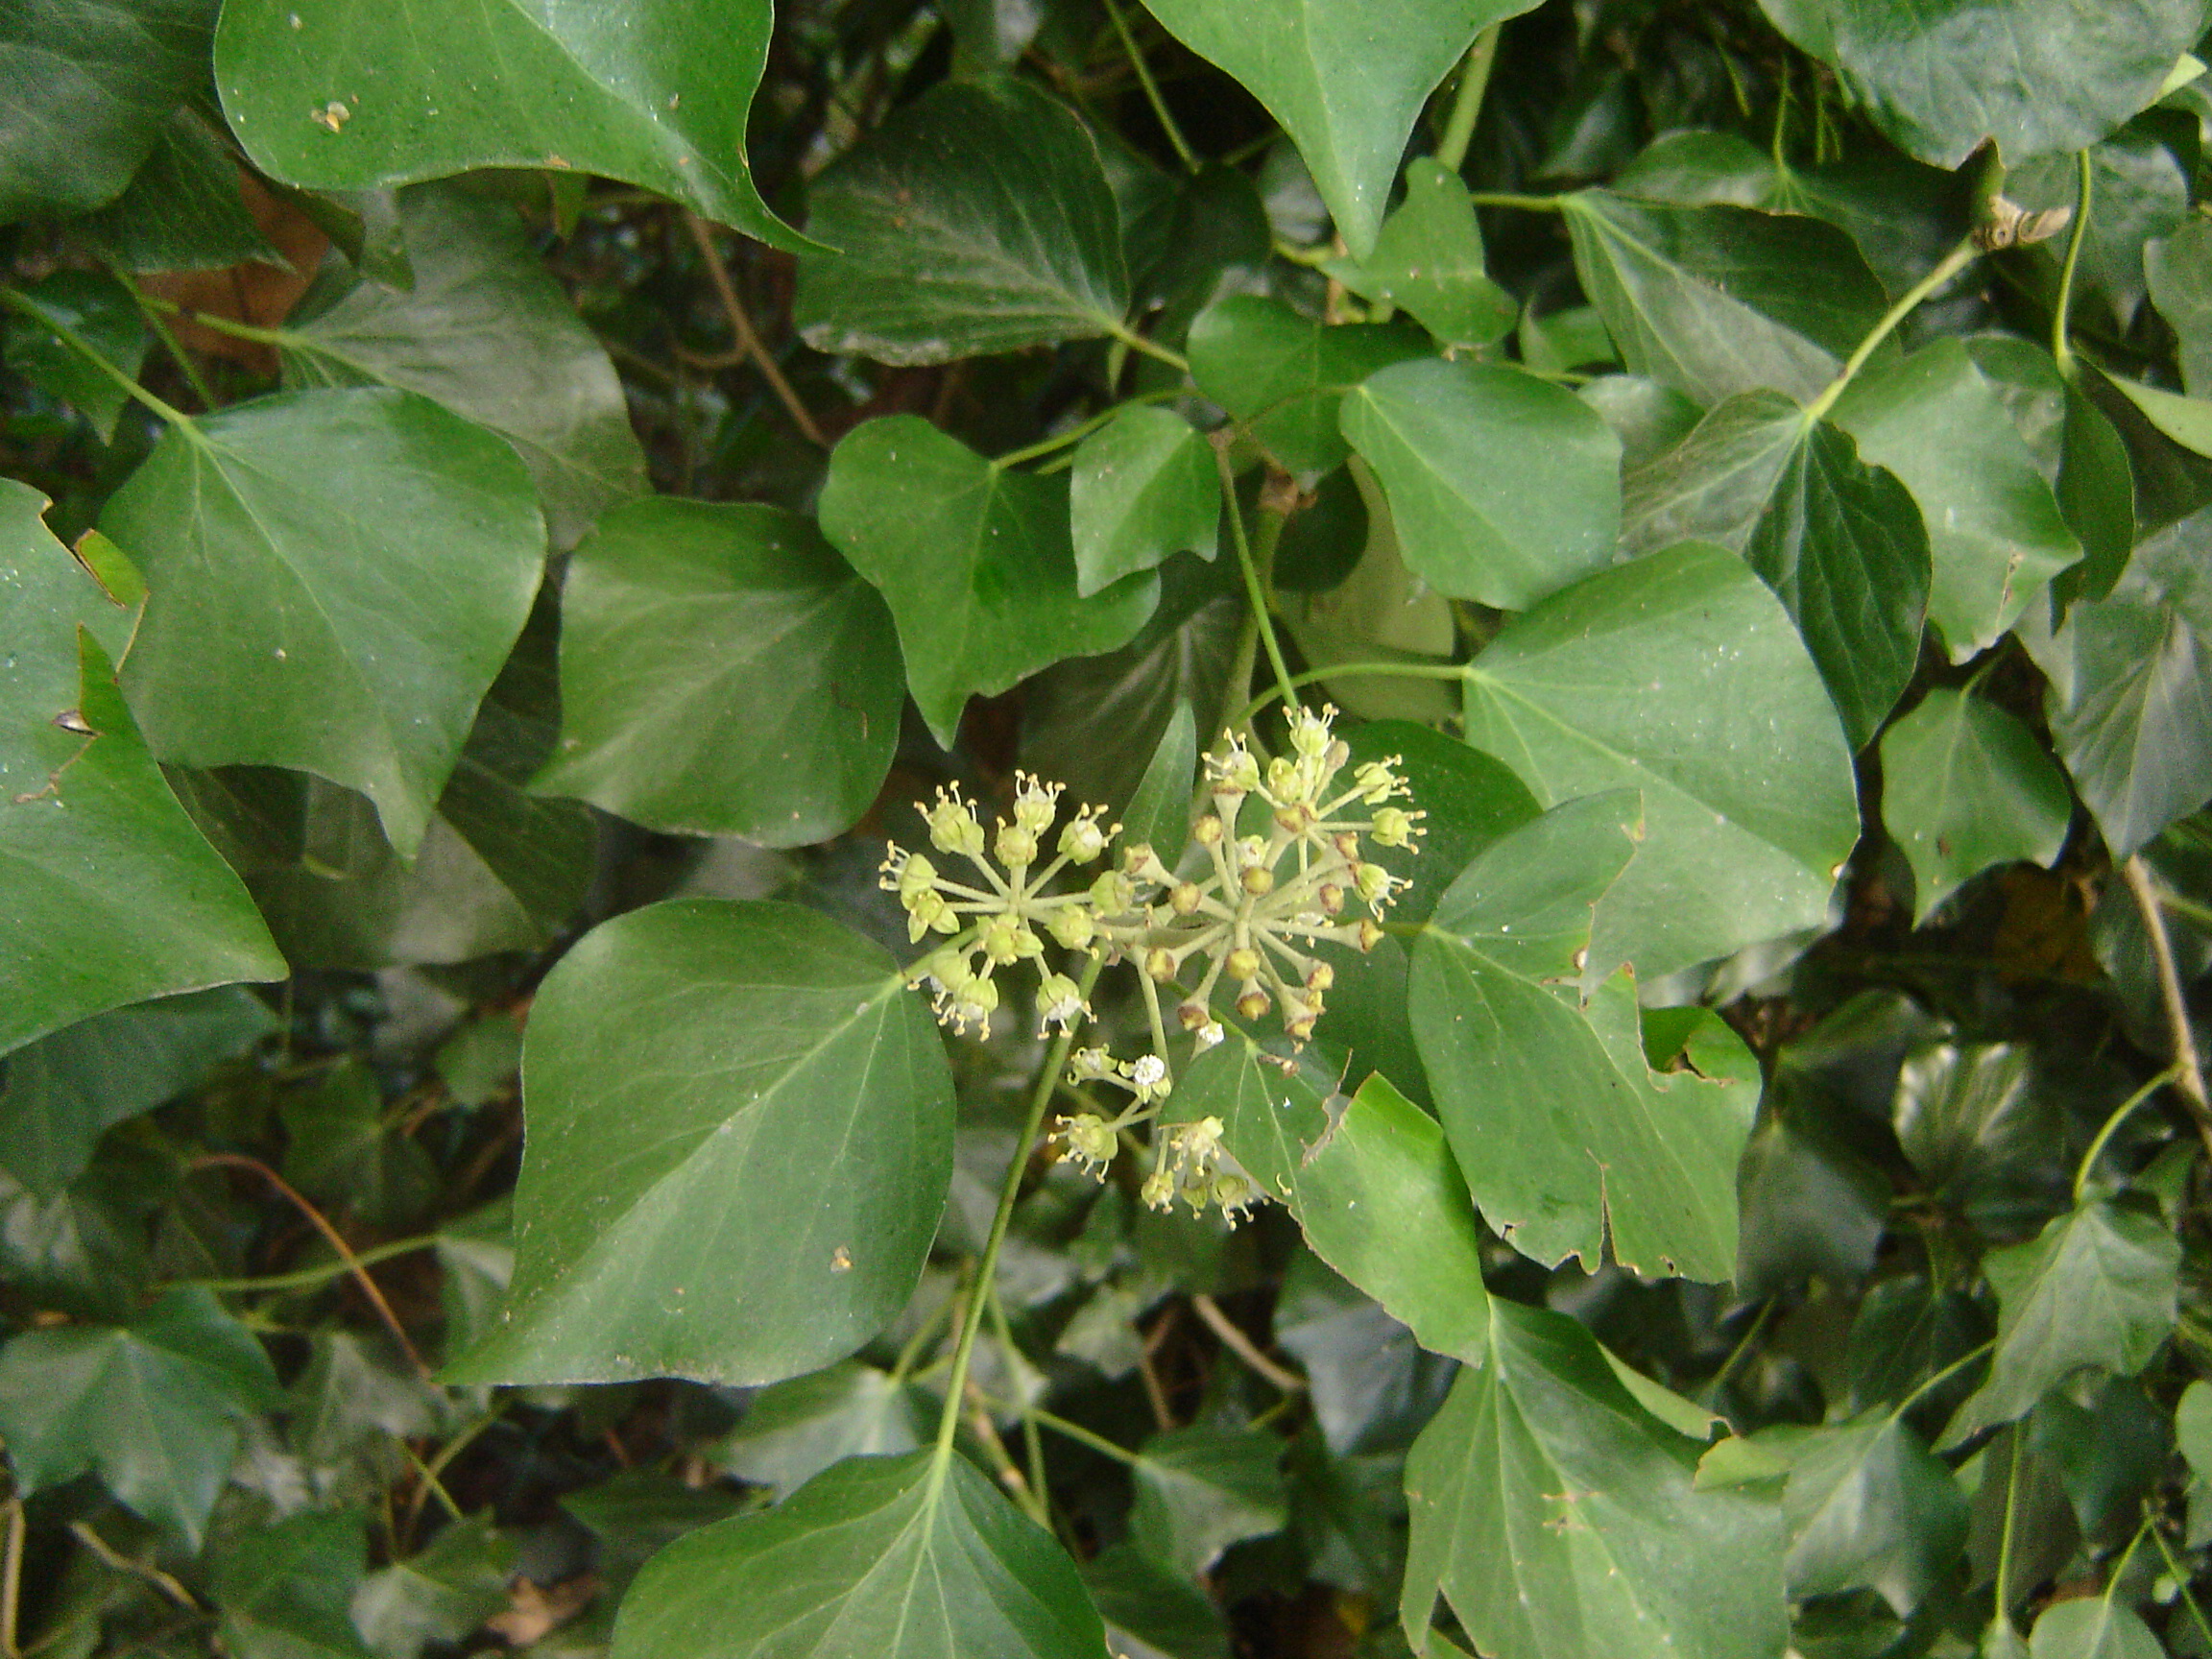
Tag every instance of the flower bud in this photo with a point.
(1234, 771)
(954, 826)
(1283, 779)
(1377, 783)
(1335, 756)
(1371, 882)
(1158, 1190)
(1242, 964)
(1016, 846)
(926, 910)
(1082, 840)
(1393, 827)
(1074, 925)
(972, 1002)
(1035, 803)
(1258, 880)
(1089, 1064)
(1090, 1142)
(1207, 831)
(1234, 1196)
(1112, 894)
(1309, 732)
(1000, 940)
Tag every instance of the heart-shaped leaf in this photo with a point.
(1285, 375)
(1428, 261)
(1144, 487)
(738, 1140)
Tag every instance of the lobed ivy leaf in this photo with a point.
(1144, 487)
(1285, 374)
(738, 1140)
(723, 672)
(62, 1094)
(1868, 1506)
(84, 88)
(915, 1557)
(1567, 1135)
(1559, 1515)
(977, 218)
(2177, 270)
(440, 1593)
(356, 94)
(483, 331)
(1714, 301)
(976, 561)
(1501, 488)
(102, 313)
(1964, 787)
(2035, 76)
(336, 578)
(1346, 79)
(1428, 261)
(1679, 675)
(1200, 1489)
(185, 208)
(1372, 1385)
(154, 1405)
(109, 894)
(2091, 1627)
(285, 1589)
(2096, 1287)
(793, 1430)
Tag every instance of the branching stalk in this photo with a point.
(2188, 1071)
(1948, 267)
(749, 337)
(2062, 346)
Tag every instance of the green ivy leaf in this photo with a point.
(1144, 487)
(1158, 814)
(85, 87)
(2033, 75)
(1345, 77)
(438, 1594)
(62, 1094)
(336, 578)
(154, 1405)
(2178, 270)
(1501, 488)
(355, 95)
(1967, 786)
(485, 331)
(739, 1141)
(339, 1150)
(975, 218)
(1428, 261)
(1716, 300)
(1285, 375)
(1559, 1518)
(793, 1430)
(101, 312)
(723, 672)
(905, 1557)
(1200, 1489)
(2096, 1287)
(1372, 1385)
(2127, 698)
(184, 209)
(111, 896)
(2091, 1627)
(1867, 1505)
(1567, 1135)
(285, 1589)
(1679, 675)
(976, 561)
(1994, 527)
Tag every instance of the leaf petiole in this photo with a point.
(1946, 268)
(2061, 347)
(23, 305)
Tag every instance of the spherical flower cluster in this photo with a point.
(1284, 865)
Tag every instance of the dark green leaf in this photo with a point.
(440, 1593)
(2091, 1627)
(722, 673)
(1501, 488)
(102, 312)
(901, 1557)
(637, 1513)
(2138, 192)
(793, 1430)
(1994, 528)
(1967, 786)
(1807, 1208)
(82, 1251)
(485, 331)
(153, 1406)
(1566, 1134)
(1428, 261)
(60, 1094)
(340, 1151)
(183, 211)
(407, 545)
(739, 1140)
(1152, 1611)
(2033, 75)
(1144, 487)
(1201, 1489)
(1285, 375)
(2107, 1450)
(1694, 168)
(1345, 77)
(85, 87)
(976, 561)
(2129, 701)
(1159, 815)
(2096, 1287)
(975, 218)
(1869, 1505)
(355, 95)
(109, 895)
(1372, 1385)
(1679, 675)
(1559, 1515)
(1717, 300)
(2179, 269)
(285, 1589)
(1982, 1130)
(1647, 418)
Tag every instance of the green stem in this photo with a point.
(307, 1278)
(1033, 1447)
(2005, 1538)
(1255, 589)
(2181, 1578)
(1352, 672)
(915, 1343)
(971, 1318)
(1152, 89)
(1951, 264)
(1467, 104)
(1082, 429)
(1742, 1348)
(2061, 347)
(230, 325)
(1136, 342)
(1941, 1377)
(23, 305)
(1073, 1431)
(152, 311)
(2119, 1116)
(1527, 203)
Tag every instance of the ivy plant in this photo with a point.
(1060, 829)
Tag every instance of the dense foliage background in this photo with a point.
(549, 490)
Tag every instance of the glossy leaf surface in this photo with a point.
(1145, 488)
(1967, 786)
